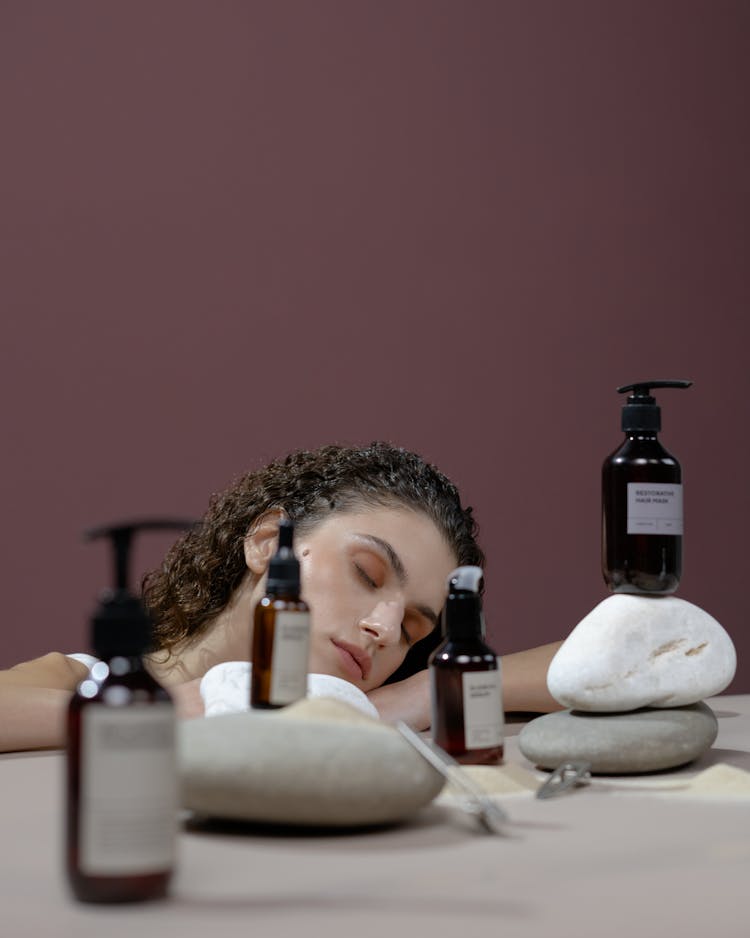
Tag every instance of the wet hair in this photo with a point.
(207, 564)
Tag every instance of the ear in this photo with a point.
(262, 539)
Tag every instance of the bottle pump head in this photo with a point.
(121, 625)
(641, 411)
(283, 570)
(465, 579)
(463, 607)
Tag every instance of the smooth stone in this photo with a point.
(318, 762)
(619, 743)
(641, 651)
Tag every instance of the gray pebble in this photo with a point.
(276, 767)
(645, 740)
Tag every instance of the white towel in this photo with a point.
(225, 688)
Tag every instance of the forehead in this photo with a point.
(415, 538)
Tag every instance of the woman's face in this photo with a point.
(375, 582)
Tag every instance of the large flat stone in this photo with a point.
(318, 762)
(642, 741)
(641, 651)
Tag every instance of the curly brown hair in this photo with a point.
(207, 564)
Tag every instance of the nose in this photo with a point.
(383, 623)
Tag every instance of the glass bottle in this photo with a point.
(121, 771)
(465, 679)
(281, 631)
(642, 502)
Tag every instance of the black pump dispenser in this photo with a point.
(642, 517)
(122, 793)
(463, 607)
(283, 570)
(121, 625)
(641, 411)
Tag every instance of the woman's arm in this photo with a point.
(32, 717)
(525, 680)
(524, 676)
(34, 698)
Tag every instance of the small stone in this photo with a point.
(642, 651)
(619, 743)
(318, 762)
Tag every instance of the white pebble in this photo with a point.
(641, 651)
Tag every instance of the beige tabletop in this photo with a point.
(620, 857)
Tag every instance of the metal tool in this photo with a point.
(566, 776)
(475, 800)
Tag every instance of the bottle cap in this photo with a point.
(641, 411)
(121, 625)
(283, 570)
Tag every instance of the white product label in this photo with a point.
(655, 509)
(291, 641)
(128, 815)
(483, 709)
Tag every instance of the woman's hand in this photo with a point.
(407, 700)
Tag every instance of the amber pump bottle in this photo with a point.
(465, 685)
(642, 517)
(121, 769)
(281, 631)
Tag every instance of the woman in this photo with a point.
(378, 530)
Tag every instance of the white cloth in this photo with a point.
(225, 688)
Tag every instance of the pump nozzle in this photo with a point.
(641, 411)
(121, 536)
(642, 388)
(466, 579)
(121, 625)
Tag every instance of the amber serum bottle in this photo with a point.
(642, 501)
(465, 683)
(281, 631)
(122, 796)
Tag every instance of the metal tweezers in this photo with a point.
(567, 775)
(475, 800)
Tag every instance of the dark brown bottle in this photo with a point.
(642, 516)
(122, 797)
(465, 681)
(281, 632)
(121, 774)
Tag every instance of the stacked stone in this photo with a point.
(634, 674)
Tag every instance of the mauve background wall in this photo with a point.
(231, 229)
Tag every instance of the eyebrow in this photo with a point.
(399, 569)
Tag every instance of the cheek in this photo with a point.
(322, 591)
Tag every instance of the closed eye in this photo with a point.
(365, 577)
(369, 582)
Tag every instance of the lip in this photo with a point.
(355, 660)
